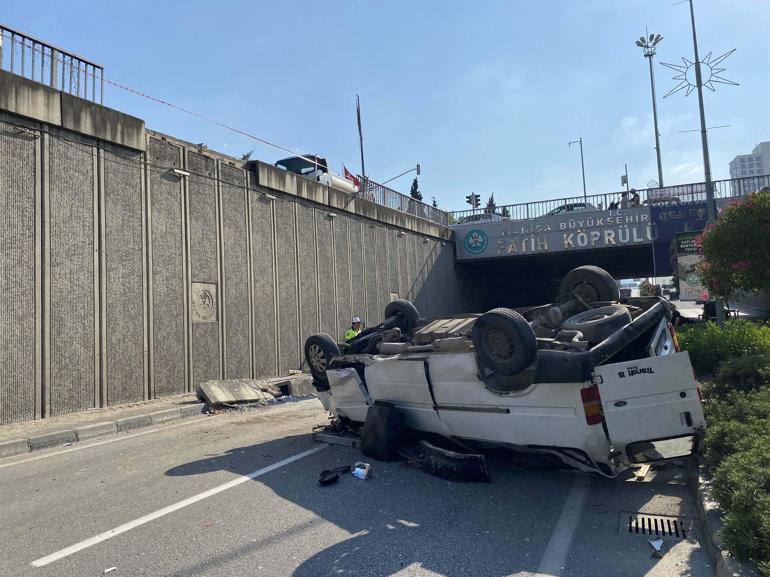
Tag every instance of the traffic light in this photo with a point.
(473, 199)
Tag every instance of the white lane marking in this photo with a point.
(561, 539)
(153, 429)
(66, 552)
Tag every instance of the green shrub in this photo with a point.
(742, 486)
(709, 344)
(740, 374)
(737, 449)
(734, 423)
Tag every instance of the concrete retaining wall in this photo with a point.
(101, 245)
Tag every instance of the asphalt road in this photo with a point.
(236, 494)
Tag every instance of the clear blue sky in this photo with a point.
(484, 95)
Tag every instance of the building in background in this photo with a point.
(750, 165)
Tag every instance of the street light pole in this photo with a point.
(703, 131)
(582, 166)
(655, 122)
(648, 43)
(710, 204)
(415, 169)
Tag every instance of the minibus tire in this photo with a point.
(504, 341)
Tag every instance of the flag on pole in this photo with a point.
(350, 176)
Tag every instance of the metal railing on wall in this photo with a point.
(44, 63)
(663, 196)
(385, 196)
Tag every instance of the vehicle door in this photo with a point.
(651, 406)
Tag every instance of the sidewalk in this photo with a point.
(19, 438)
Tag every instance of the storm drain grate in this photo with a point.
(655, 525)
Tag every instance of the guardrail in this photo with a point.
(45, 63)
(385, 196)
(667, 195)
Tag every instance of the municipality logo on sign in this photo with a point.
(475, 241)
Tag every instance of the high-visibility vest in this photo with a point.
(351, 333)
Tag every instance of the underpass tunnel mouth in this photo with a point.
(533, 280)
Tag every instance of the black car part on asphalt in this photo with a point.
(446, 464)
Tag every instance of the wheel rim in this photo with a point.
(498, 344)
(316, 358)
(586, 291)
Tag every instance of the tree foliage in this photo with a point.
(491, 206)
(414, 192)
(735, 249)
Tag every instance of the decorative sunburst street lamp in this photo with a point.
(648, 42)
(709, 72)
(691, 77)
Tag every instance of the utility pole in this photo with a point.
(582, 166)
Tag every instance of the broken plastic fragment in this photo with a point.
(362, 470)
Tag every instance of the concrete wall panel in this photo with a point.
(123, 277)
(411, 260)
(17, 274)
(168, 284)
(402, 242)
(394, 276)
(373, 312)
(308, 275)
(204, 264)
(429, 292)
(358, 286)
(383, 275)
(71, 270)
(288, 325)
(419, 248)
(265, 346)
(326, 272)
(236, 269)
(342, 265)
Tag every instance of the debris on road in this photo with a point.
(446, 464)
(641, 472)
(331, 476)
(109, 570)
(362, 470)
(657, 544)
(235, 393)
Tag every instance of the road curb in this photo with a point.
(15, 447)
(97, 430)
(53, 439)
(710, 517)
(70, 436)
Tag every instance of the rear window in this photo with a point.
(660, 449)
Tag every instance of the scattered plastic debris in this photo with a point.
(362, 470)
(109, 570)
(657, 544)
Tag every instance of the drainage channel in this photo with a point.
(655, 525)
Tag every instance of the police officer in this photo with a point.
(354, 330)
